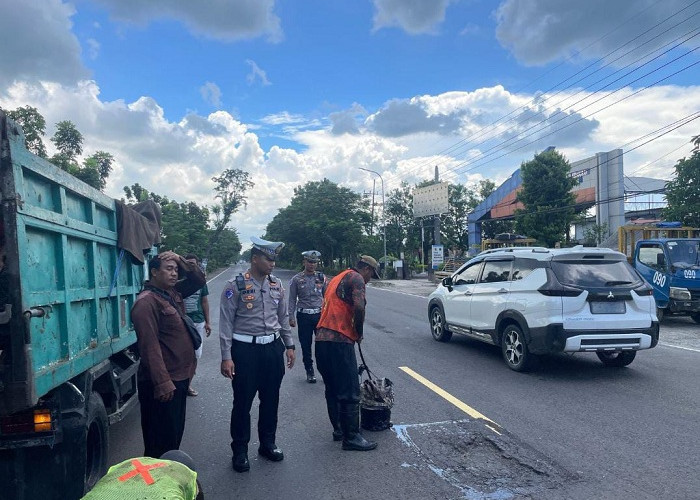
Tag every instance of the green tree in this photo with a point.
(231, 191)
(454, 229)
(323, 216)
(95, 170)
(68, 140)
(683, 192)
(595, 234)
(136, 193)
(547, 197)
(33, 125)
(401, 227)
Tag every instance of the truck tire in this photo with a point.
(616, 359)
(96, 441)
(438, 327)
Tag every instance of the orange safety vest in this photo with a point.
(337, 315)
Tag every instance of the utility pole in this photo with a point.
(436, 218)
(371, 227)
(383, 213)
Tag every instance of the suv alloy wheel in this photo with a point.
(514, 349)
(438, 328)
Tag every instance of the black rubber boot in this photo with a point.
(350, 423)
(334, 416)
(240, 459)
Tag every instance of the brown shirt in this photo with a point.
(165, 346)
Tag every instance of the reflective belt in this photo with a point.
(256, 339)
(309, 311)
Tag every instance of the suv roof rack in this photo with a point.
(515, 249)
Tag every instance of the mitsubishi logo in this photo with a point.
(611, 296)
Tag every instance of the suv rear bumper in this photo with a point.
(554, 338)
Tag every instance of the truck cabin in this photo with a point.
(681, 254)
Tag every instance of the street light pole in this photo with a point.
(383, 215)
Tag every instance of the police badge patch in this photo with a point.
(229, 293)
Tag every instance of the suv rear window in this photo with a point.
(600, 273)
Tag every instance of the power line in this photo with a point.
(460, 167)
(471, 138)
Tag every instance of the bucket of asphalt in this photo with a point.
(376, 400)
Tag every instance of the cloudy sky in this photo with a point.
(305, 89)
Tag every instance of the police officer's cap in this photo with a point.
(311, 255)
(271, 249)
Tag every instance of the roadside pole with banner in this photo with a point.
(438, 256)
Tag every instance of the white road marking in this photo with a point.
(679, 347)
(222, 272)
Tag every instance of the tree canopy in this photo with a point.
(683, 192)
(323, 216)
(547, 197)
(231, 191)
(33, 125)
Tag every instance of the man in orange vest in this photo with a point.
(340, 326)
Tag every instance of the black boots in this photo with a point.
(350, 424)
(271, 452)
(240, 460)
(310, 376)
(334, 416)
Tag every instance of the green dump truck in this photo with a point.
(67, 366)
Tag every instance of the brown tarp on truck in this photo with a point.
(138, 227)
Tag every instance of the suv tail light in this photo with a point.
(562, 291)
(553, 288)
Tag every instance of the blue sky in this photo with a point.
(294, 91)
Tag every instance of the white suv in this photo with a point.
(534, 301)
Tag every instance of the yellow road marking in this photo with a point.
(449, 397)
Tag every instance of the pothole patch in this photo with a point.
(481, 462)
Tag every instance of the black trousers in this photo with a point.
(337, 364)
(162, 424)
(307, 329)
(258, 369)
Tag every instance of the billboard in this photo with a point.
(430, 200)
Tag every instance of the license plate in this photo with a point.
(616, 307)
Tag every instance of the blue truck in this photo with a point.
(67, 359)
(669, 259)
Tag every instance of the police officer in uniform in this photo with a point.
(306, 291)
(254, 334)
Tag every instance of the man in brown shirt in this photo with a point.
(167, 353)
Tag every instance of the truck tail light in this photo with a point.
(28, 422)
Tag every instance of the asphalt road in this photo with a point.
(465, 426)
